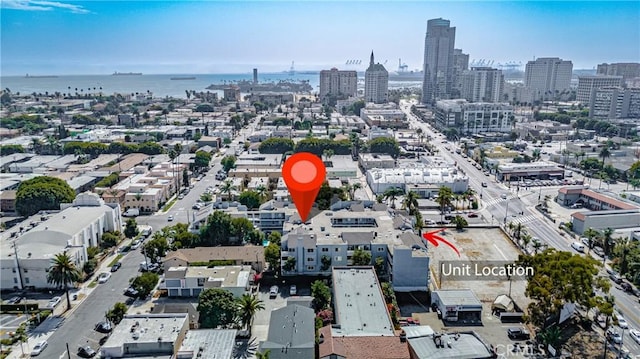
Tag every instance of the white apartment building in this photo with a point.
(376, 83)
(25, 256)
(546, 75)
(147, 190)
(423, 179)
(190, 281)
(473, 118)
(482, 84)
(614, 102)
(341, 84)
(588, 84)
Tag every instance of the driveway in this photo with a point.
(260, 327)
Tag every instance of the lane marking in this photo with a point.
(502, 254)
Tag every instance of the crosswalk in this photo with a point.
(493, 201)
(523, 219)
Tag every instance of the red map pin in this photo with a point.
(303, 174)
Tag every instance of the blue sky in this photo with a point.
(95, 37)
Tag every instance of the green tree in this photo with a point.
(275, 237)
(392, 193)
(445, 197)
(115, 314)
(384, 145)
(460, 222)
(6, 150)
(591, 234)
(62, 273)
(109, 239)
(558, 278)
(327, 154)
(361, 257)
(217, 230)
(90, 266)
(410, 202)
(228, 188)
(42, 193)
(217, 308)
(321, 295)
(248, 306)
(276, 145)
(206, 197)
(131, 228)
(327, 195)
(156, 248)
(264, 355)
(604, 154)
(325, 262)
(202, 160)
(272, 256)
(144, 283)
(185, 178)
(251, 199)
(228, 162)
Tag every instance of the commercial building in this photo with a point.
(190, 281)
(384, 116)
(438, 60)
(291, 333)
(425, 345)
(614, 102)
(588, 84)
(458, 306)
(473, 118)
(375, 160)
(628, 70)
(547, 75)
(238, 255)
(425, 180)
(359, 306)
(28, 248)
(338, 84)
(146, 335)
(534, 170)
(208, 343)
(376, 82)
(482, 84)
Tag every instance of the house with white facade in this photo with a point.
(190, 281)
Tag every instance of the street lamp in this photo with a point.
(506, 213)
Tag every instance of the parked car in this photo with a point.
(585, 241)
(615, 277)
(14, 300)
(518, 333)
(293, 290)
(273, 291)
(104, 327)
(430, 222)
(181, 196)
(116, 266)
(135, 244)
(635, 335)
(86, 352)
(626, 287)
(614, 336)
(104, 277)
(484, 184)
(472, 215)
(622, 323)
(599, 251)
(131, 292)
(54, 302)
(579, 247)
(170, 218)
(39, 348)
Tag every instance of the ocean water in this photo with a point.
(159, 85)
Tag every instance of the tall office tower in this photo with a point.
(627, 70)
(376, 82)
(438, 60)
(339, 84)
(482, 84)
(546, 75)
(614, 102)
(255, 76)
(588, 84)
(460, 65)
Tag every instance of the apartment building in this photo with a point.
(628, 70)
(473, 118)
(191, 281)
(588, 84)
(376, 82)
(338, 84)
(546, 75)
(439, 45)
(614, 102)
(482, 84)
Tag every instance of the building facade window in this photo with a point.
(311, 268)
(325, 249)
(309, 250)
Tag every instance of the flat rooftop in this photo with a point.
(360, 307)
(457, 297)
(454, 345)
(209, 343)
(149, 327)
(227, 276)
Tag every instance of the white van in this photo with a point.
(131, 212)
(579, 247)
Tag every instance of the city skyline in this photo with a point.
(235, 36)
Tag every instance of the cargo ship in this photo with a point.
(127, 73)
(41, 77)
(184, 78)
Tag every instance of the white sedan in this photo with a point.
(38, 348)
(635, 335)
(53, 302)
(104, 277)
(622, 323)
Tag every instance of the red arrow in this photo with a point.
(433, 238)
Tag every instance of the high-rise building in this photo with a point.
(627, 70)
(588, 84)
(460, 64)
(438, 60)
(473, 118)
(376, 82)
(338, 84)
(614, 102)
(255, 76)
(546, 75)
(482, 84)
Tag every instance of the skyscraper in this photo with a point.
(546, 75)
(588, 84)
(438, 60)
(338, 84)
(376, 82)
(482, 84)
(460, 65)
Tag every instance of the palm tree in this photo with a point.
(228, 187)
(607, 242)
(592, 234)
(327, 154)
(248, 305)
(62, 273)
(469, 195)
(604, 154)
(391, 193)
(445, 195)
(410, 202)
(354, 187)
(261, 190)
(537, 245)
(264, 355)
(419, 223)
